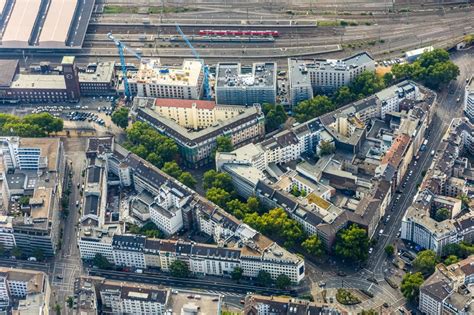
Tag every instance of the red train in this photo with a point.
(239, 33)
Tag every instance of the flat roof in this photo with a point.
(153, 72)
(58, 21)
(38, 81)
(21, 23)
(103, 73)
(230, 75)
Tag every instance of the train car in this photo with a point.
(239, 33)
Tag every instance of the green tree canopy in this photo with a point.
(352, 243)
(45, 121)
(264, 279)
(172, 168)
(180, 269)
(389, 250)
(366, 84)
(313, 246)
(282, 281)
(218, 195)
(215, 179)
(275, 116)
(433, 69)
(150, 145)
(312, 108)
(425, 262)
(451, 259)
(187, 179)
(24, 200)
(101, 262)
(120, 117)
(442, 214)
(224, 144)
(237, 273)
(326, 148)
(410, 286)
(344, 95)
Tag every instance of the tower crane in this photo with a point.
(205, 69)
(121, 48)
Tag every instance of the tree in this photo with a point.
(38, 253)
(253, 204)
(238, 208)
(352, 243)
(312, 108)
(464, 199)
(425, 262)
(442, 214)
(57, 309)
(451, 259)
(313, 246)
(237, 273)
(180, 269)
(343, 96)
(295, 191)
(264, 279)
(120, 117)
(388, 78)
(283, 281)
(224, 144)
(24, 200)
(16, 252)
(326, 147)
(218, 195)
(70, 301)
(101, 262)
(434, 69)
(150, 145)
(410, 286)
(172, 168)
(366, 84)
(389, 250)
(44, 121)
(368, 312)
(215, 179)
(187, 179)
(275, 116)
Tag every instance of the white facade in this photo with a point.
(129, 258)
(89, 248)
(469, 99)
(428, 305)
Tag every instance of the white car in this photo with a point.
(371, 250)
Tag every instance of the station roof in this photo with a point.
(2, 5)
(21, 22)
(58, 21)
(7, 72)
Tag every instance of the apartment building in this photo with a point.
(181, 82)
(308, 77)
(97, 295)
(469, 99)
(445, 180)
(449, 289)
(370, 158)
(242, 245)
(34, 168)
(196, 146)
(263, 305)
(235, 87)
(24, 291)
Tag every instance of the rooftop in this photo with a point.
(49, 149)
(230, 75)
(8, 70)
(58, 20)
(38, 81)
(152, 72)
(104, 73)
(21, 23)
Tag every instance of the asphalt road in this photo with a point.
(225, 285)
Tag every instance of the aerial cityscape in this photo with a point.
(236, 157)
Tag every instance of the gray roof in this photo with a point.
(7, 72)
